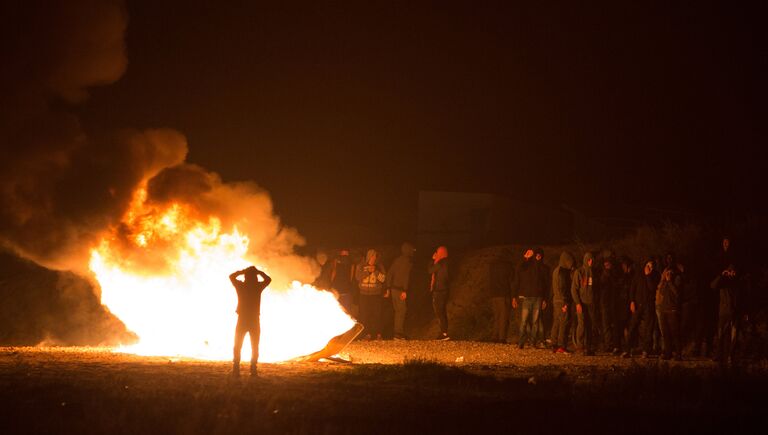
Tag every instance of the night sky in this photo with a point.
(343, 113)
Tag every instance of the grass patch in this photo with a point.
(417, 396)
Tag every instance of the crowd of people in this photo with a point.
(604, 304)
(620, 307)
(364, 287)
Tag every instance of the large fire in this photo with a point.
(165, 271)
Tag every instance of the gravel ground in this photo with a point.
(474, 388)
(467, 354)
(487, 354)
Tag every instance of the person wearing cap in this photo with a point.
(248, 312)
(398, 280)
(583, 294)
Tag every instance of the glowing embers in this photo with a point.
(165, 274)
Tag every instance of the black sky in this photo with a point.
(345, 112)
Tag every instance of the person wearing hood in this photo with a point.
(583, 294)
(370, 278)
(438, 286)
(667, 311)
(398, 279)
(528, 293)
(608, 294)
(561, 302)
(501, 275)
(641, 302)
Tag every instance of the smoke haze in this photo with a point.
(63, 188)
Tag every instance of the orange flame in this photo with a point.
(165, 274)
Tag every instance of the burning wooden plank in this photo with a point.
(334, 346)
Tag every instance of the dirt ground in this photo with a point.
(390, 386)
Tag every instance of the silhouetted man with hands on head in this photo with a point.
(248, 309)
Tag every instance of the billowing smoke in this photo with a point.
(243, 205)
(62, 189)
(236, 205)
(60, 193)
(59, 187)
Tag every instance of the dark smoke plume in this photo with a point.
(61, 188)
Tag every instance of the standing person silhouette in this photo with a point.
(438, 286)
(248, 309)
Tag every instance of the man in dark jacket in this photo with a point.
(528, 292)
(641, 307)
(726, 255)
(561, 302)
(544, 282)
(248, 313)
(323, 280)
(608, 291)
(438, 286)
(342, 278)
(708, 312)
(627, 276)
(398, 280)
(730, 288)
(501, 276)
(668, 310)
(583, 294)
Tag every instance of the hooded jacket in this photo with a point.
(399, 274)
(561, 280)
(370, 283)
(582, 290)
